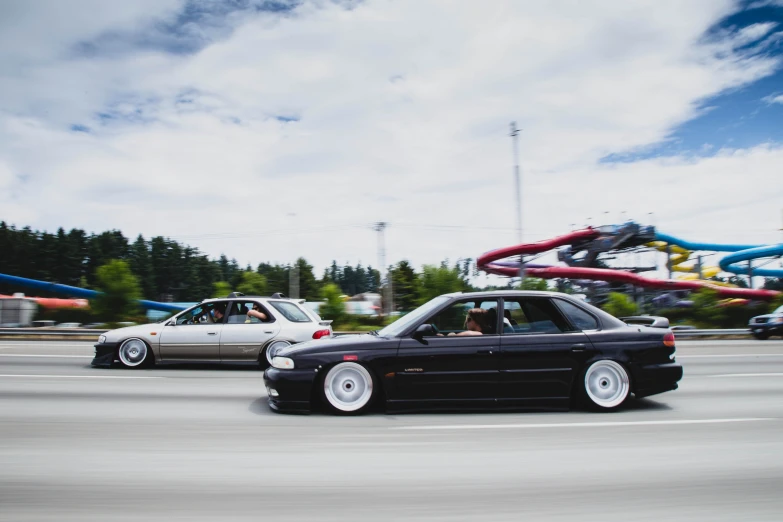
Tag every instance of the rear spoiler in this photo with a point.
(647, 320)
(325, 322)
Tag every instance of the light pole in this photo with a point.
(293, 274)
(518, 192)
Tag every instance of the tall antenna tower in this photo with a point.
(386, 282)
(518, 192)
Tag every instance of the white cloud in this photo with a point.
(403, 112)
(774, 98)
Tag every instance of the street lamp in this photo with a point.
(293, 274)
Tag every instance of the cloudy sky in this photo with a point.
(265, 129)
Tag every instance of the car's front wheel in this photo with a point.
(761, 336)
(348, 388)
(606, 385)
(134, 353)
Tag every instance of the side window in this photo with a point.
(204, 314)
(290, 311)
(454, 318)
(189, 316)
(241, 313)
(578, 317)
(534, 315)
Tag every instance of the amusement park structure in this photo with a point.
(581, 251)
(77, 296)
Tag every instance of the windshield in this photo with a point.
(779, 310)
(402, 324)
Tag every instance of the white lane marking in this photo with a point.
(678, 356)
(745, 375)
(78, 376)
(580, 424)
(39, 355)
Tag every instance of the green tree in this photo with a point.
(120, 291)
(309, 287)
(707, 310)
(404, 285)
(252, 283)
(437, 280)
(776, 303)
(140, 264)
(333, 308)
(619, 305)
(220, 289)
(533, 283)
(276, 277)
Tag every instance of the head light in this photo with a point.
(282, 363)
(776, 320)
(102, 339)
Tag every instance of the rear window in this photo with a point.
(290, 311)
(578, 317)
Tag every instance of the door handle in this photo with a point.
(269, 331)
(485, 351)
(211, 333)
(578, 348)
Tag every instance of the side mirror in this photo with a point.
(171, 323)
(424, 330)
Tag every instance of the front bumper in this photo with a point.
(766, 328)
(656, 378)
(290, 391)
(104, 354)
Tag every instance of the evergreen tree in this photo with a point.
(120, 292)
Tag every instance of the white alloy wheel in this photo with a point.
(607, 384)
(348, 387)
(270, 349)
(133, 353)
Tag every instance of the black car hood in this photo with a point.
(340, 342)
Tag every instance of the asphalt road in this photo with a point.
(199, 443)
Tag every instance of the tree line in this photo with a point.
(166, 270)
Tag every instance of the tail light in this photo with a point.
(322, 333)
(668, 340)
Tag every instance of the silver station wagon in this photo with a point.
(238, 328)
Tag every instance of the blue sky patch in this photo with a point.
(77, 127)
(740, 118)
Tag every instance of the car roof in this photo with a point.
(507, 293)
(251, 297)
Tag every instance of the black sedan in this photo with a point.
(485, 350)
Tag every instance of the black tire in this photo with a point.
(348, 388)
(761, 336)
(604, 385)
(135, 353)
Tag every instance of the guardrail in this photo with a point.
(45, 331)
(706, 333)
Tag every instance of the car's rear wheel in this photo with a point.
(265, 358)
(761, 336)
(348, 388)
(134, 353)
(606, 385)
